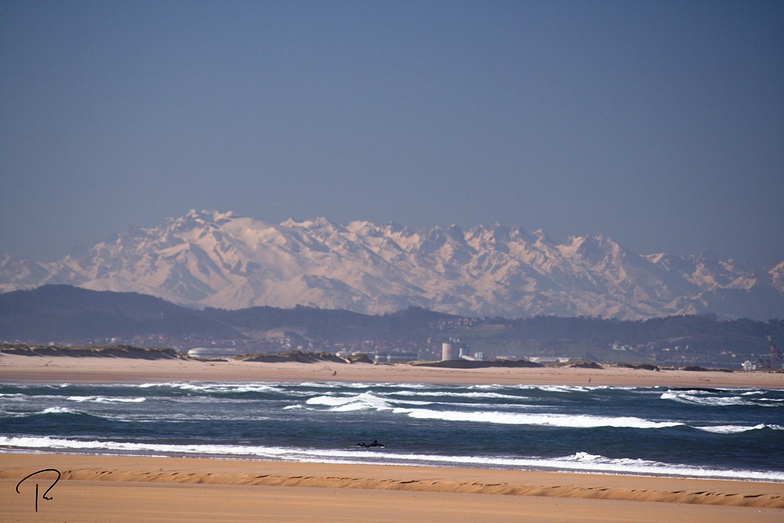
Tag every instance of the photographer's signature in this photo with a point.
(42, 471)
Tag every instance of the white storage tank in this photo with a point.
(447, 352)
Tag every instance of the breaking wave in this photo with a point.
(577, 462)
(580, 421)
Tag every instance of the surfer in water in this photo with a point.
(369, 445)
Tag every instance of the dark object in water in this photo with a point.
(369, 445)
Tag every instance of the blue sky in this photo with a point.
(659, 124)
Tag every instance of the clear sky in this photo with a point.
(659, 124)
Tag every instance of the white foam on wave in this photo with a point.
(59, 410)
(104, 399)
(421, 403)
(543, 420)
(452, 394)
(325, 384)
(26, 414)
(43, 442)
(562, 388)
(730, 429)
(362, 401)
(170, 384)
(361, 385)
(578, 462)
(213, 388)
(238, 388)
(144, 416)
(15, 395)
(343, 385)
(558, 388)
(583, 461)
(706, 399)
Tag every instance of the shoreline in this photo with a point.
(65, 369)
(9, 449)
(97, 487)
(172, 487)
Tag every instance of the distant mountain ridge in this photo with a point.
(213, 259)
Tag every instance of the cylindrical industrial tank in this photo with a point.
(446, 352)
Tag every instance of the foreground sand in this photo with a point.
(129, 489)
(17, 369)
(97, 488)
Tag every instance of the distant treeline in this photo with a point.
(698, 330)
(336, 325)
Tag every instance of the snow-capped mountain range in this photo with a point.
(212, 259)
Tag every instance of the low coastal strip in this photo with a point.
(127, 364)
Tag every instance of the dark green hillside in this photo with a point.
(335, 325)
(63, 312)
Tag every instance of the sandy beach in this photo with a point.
(98, 488)
(19, 369)
(124, 488)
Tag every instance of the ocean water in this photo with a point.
(711, 433)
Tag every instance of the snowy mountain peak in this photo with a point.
(217, 259)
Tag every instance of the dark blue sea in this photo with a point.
(708, 433)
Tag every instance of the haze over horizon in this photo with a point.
(658, 125)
